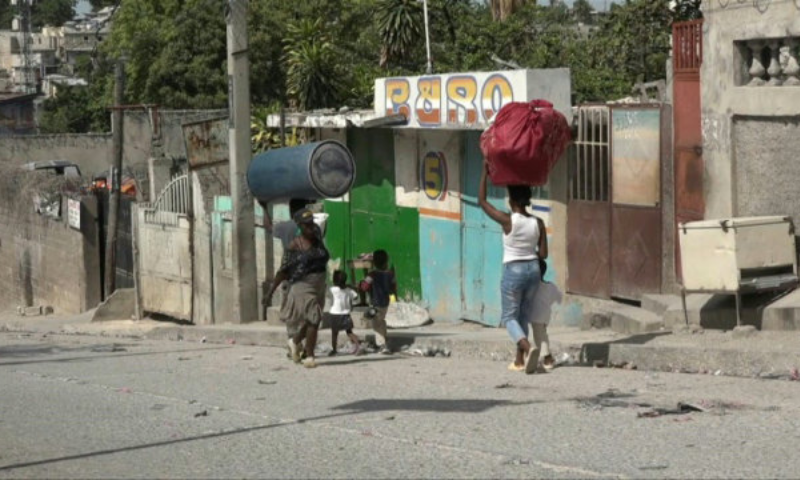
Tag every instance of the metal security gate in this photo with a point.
(589, 208)
(635, 200)
(687, 48)
(614, 246)
(163, 241)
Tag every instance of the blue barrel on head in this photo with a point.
(315, 170)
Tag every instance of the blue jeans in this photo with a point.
(517, 289)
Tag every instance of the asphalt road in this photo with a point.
(84, 407)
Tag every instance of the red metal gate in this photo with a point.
(614, 246)
(687, 50)
(589, 215)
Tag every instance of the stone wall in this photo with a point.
(42, 260)
(91, 152)
(766, 170)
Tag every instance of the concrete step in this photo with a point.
(718, 312)
(658, 304)
(783, 314)
(619, 317)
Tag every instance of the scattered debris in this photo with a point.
(158, 406)
(682, 409)
(203, 340)
(564, 358)
(267, 382)
(504, 385)
(247, 357)
(124, 390)
(795, 374)
(390, 417)
(204, 413)
(192, 402)
(230, 341)
(428, 351)
(261, 398)
(181, 359)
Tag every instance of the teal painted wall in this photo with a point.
(440, 267)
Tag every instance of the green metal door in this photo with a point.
(376, 222)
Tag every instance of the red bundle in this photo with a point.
(524, 143)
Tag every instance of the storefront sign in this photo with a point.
(433, 175)
(457, 100)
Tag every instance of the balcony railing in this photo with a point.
(770, 62)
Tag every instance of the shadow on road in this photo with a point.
(354, 408)
(101, 351)
(427, 405)
(599, 352)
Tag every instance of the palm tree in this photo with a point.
(400, 23)
(312, 77)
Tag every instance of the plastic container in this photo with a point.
(315, 170)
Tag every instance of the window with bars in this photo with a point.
(589, 166)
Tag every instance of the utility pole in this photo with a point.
(429, 68)
(116, 179)
(245, 281)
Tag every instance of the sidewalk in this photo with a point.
(748, 354)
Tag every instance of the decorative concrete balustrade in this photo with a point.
(772, 62)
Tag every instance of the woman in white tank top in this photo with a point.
(524, 245)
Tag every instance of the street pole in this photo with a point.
(429, 68)
(115, 178)
(245, 281)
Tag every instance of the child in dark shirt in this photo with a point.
(382, 284)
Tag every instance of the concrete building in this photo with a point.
(750, 97)
(416, 188)
(16, 114)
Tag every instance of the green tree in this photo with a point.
(312, 77)
(52, 12)
(66, 112)
(100, 4)
(6, 14)
(633, 39)
(401, 25)
(687, 10)
(583, 10)
(190, 70)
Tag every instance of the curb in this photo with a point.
(662, 358)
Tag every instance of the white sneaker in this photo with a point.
(532, 361)
(309, 362)
(294, 351)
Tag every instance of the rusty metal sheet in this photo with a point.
(687, 46)
(635, 251)
(206, 142)
(588, 248)
(688, 146)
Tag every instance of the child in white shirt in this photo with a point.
(339, 314)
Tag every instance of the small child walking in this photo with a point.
(339, 314)
(382, 284)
